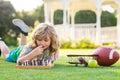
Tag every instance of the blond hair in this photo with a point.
(43, 31)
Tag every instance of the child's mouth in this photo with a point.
(41, 46)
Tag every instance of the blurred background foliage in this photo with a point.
(10, 33)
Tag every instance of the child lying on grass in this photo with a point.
(44, 44)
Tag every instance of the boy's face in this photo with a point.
(45, 42)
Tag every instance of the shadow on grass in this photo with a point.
(58, 65)
(67, 65)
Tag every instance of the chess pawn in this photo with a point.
(46, 62)
(32, 62)
(19, 63)
(40, 62)
(49, 62)
(43, 62)
(29, 63)
(26, 63)
(36, 61)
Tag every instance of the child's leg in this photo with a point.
(21, 25)
(23, 40)
(24, 29)
(4, 49)
(0, 52)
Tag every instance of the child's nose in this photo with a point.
(42, 42)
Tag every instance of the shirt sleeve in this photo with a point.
(27, 50)
(55, 56)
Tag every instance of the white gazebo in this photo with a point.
(73, 6)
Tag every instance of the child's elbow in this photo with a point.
(19, 60)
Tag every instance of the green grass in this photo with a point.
(61, 71)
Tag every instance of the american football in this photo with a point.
(106, 56)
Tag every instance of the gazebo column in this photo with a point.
(68, 17)
(72, 31)
(118, 28)
(52, 16)
(64, 5)
(98, 22)
(46, 12)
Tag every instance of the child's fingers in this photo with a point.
(40, 48)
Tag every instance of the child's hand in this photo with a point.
(35, 52)
(39, 49)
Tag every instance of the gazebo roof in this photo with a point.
(76, 5)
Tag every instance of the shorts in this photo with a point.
(13, 55)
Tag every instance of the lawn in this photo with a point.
(62, 70)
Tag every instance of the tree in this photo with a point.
(7, 13)
(108, 19)
(58, 17)
(85, 16)
(27, 17)
(39, 13)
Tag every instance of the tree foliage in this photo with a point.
(85, 16)
(7, 13)
(108, 19)
(58, 17)
(27, 17)
(39, 13)
(88, 16)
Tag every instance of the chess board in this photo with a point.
(35, 63)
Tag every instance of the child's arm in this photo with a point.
(24, 56)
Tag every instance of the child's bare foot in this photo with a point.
(21, 25)
(0, 40)
(0, 52)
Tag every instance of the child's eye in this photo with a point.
(46, 40)
(39, 40)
